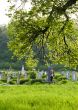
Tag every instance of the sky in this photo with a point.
(4, 6)
(3, 10)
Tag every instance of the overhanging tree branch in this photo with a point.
(68, 4)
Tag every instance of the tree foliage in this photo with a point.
(46, 27)
(6, 59)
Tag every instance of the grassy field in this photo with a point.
(39, 97)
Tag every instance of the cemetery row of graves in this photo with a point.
(24, 77)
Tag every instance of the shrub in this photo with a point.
(36, 80)
(32, 75)
(22, 81)
(44, 76)
(12, 82)
(4, 80)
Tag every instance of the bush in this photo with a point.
(22, 81)
(32, 75)
(64, 81)
(36, 81)
(60, 79)
(4, 80)
(12, 82)
(44, 76)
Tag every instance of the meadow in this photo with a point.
(39, 97)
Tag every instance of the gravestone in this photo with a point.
(40, 74)
(8, 78)
(0, 75)
(18, 78)
(74, 78)
(62, 72)
(14, 75)
(67, 75)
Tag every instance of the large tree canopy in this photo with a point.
(46, 27)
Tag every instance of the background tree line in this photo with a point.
(6, 60)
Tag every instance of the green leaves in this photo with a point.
(48, 29)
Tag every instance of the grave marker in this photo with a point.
(74, 78)
(8, 78)
(67, 75)
(0, 75)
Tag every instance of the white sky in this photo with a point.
(4, 6)
(3, 10)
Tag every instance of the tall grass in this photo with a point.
(39, 97)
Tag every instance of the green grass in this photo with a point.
(40, 97)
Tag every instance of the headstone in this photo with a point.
(8, 78)
(40, 74)
(74, 78)
(0, 75)
(18, 78)
(62, 72)
(67, 75)
(14, 75)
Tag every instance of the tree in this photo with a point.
(6, 59)
(47, 24)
